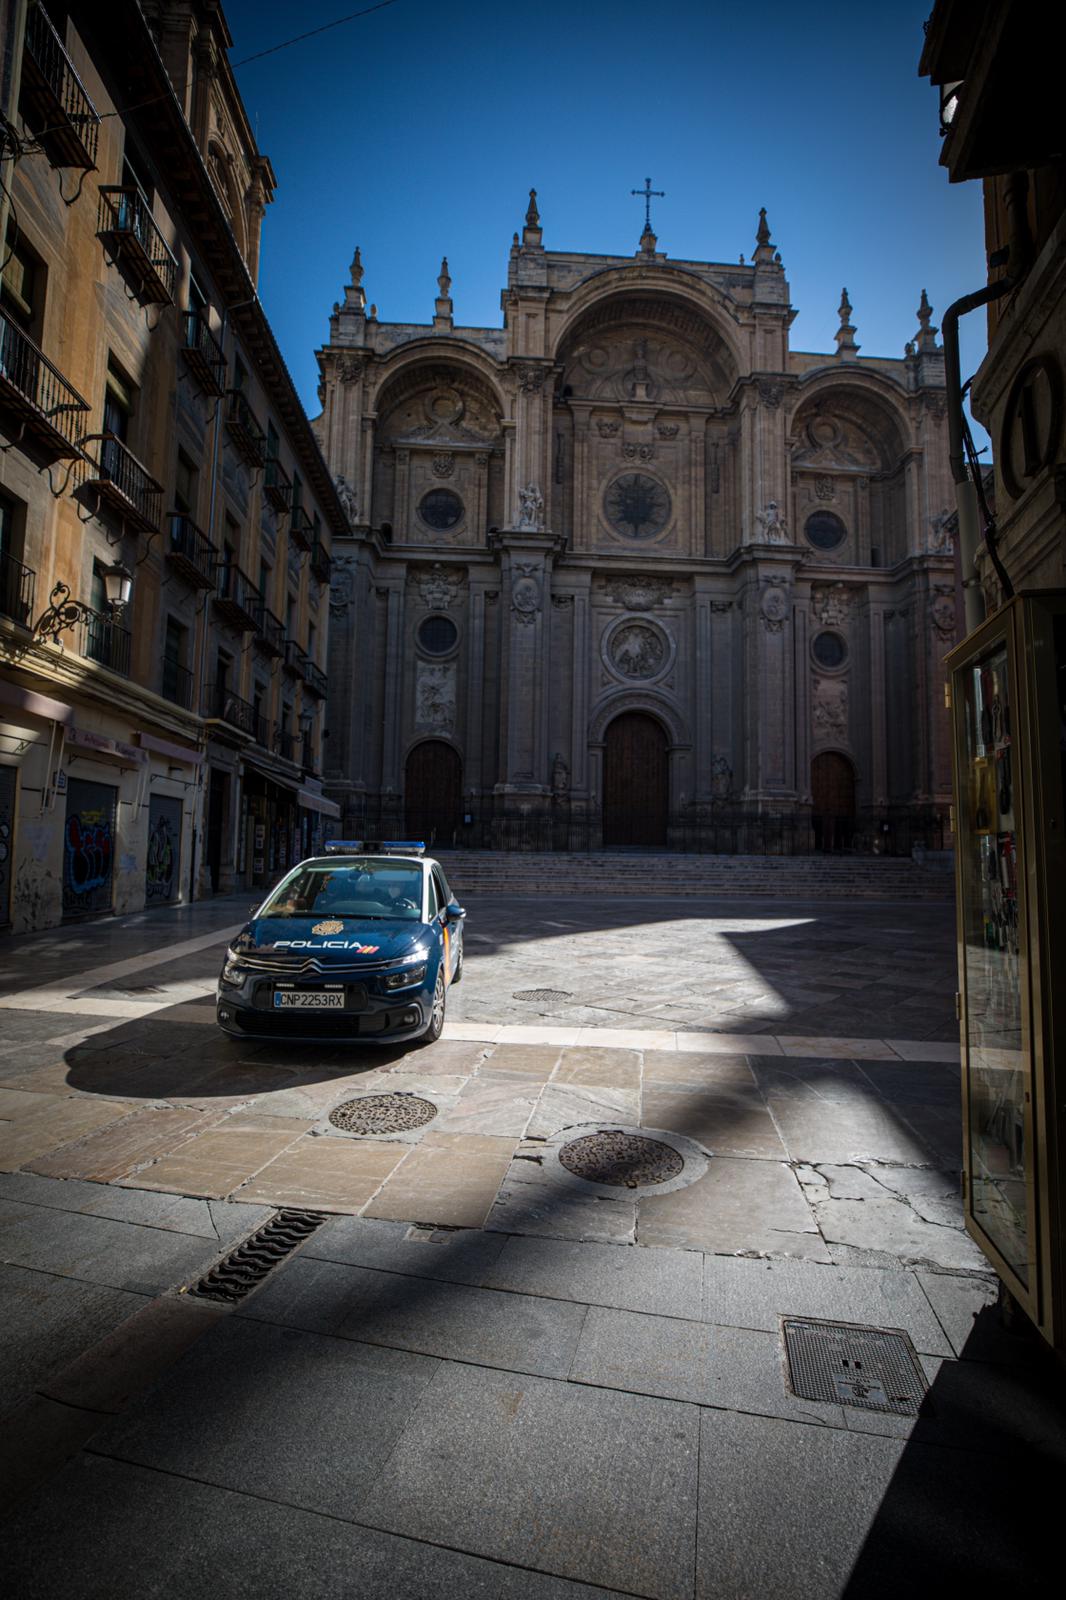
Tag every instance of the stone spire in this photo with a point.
(926, 332)
(442, 314)
(764, 250)
(354, 297)
(532, 233)
(847, 349)
(648, 241)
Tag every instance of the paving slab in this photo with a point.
(567, 1105)
(122, 1255)
(738, 1206)
(526, 1060)
(116, 1150)
(458, 1255)
(520, 1333)
(448, 1178)
(590, 1484)
(101, 1519)
(47, 1321)
(53, 1123)
(830, 1111)
(906, 1214)
(217, 1162)
(533, 1200)
(652, 1355)
(275, 1412)
(325, 1174)
(499, 1106)
(757, 1294)
(106, 1375)
(726, 1121)
(624, 1277)
(967, 1308)
(589, 1064)
(694, 1069)
(209, 1219)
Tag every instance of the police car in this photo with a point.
(360, 943)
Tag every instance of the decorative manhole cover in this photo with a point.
(542, 994)
(382, 1113)
(624, 1159)
(875, 1369)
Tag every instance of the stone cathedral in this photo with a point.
(629, 570)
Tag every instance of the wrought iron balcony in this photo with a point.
(277, 485)
(127, 228)
(17, 586)
(203, 353)
(54, 100)
(177, 683)
(314, 678)
(295, 659)
(36, 395)
(270, 633)
(119, 479)
(236, 597)
(301, 528)
(242, 425)
(222, 705)
(321, 564)
(189, 551)
(284, 744)
(105, 642)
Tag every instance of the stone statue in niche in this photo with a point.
(940, 541)
(531, 513)
(721, 778)
(560, 776)
(346, 496)
(772, 523)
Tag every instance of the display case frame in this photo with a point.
(1008, 699)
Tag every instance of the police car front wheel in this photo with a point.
(436, 1014)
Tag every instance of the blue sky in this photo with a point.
(417, 132)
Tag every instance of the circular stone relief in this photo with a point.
(829, 649)
(825, 530)
(437, 635)
(440, 508)
(637, 505)
(637, 650)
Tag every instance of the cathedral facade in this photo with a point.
(631, 571)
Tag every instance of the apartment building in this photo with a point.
(166, 516)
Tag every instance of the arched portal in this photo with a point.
(433, 793)
(636, 780)
(833, 800)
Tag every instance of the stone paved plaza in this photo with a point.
(484, 1374)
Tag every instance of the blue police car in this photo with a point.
(360, 943)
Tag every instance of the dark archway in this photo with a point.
(832, 800)
(433, 793)
(636, 780)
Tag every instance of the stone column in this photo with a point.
(475, 676)
(766, 574)
(703, 730)
(697, 459)
(525, 582)
(582, 670)
(391, 775)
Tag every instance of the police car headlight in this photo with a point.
(405, 977)
(233, 973)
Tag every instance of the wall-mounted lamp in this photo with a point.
(63, 612)
(118, 582)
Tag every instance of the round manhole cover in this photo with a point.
(382, 1113)
(624, 1159)
(542, 994)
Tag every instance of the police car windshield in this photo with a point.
(362, 889)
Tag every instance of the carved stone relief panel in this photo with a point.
(435, 696)
(832, 604)
(636, 649)
(637, 593)
(437, 587)
(829, 708)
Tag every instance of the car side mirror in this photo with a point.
(455, 911)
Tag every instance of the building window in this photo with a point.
(825, 530)
(135, 174)
(119, 396)
(177, 680)
(186, 478)
(829, 650)
(22, 293)
(440, 509)
(437, 635)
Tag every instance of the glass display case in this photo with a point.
(1008, 697)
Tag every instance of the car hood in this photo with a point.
(352, 940)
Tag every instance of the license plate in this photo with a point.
(309, 999)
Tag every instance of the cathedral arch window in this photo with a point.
(441, 509)
(825, 530)
(437, 635)
(829, 649)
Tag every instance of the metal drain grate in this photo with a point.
(382, 1113)
(542, 994)
(624, 1159)
(245, 1267)
(875, 1369)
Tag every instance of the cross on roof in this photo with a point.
(646, 195)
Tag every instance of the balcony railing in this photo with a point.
(321, 564)
(189, 551)
(314, 678)
(119, 479)
(284, 744)
(17, 586)
(301, 528)
(105, 642)
(127, 228)
(295, 659)
(236, 597)
(203, 353)
(270, 632)
(277, 485)
(177, 683)
(48, 410)
(242, 425)
(222, 705)
(54, 99)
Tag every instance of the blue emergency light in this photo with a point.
(375, 847)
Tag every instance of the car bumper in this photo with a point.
(249, 1013)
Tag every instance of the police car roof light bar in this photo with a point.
(375, 847)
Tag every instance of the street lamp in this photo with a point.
(63, 612)
(118, 582)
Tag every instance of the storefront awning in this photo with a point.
(317, 802)
(38, 705)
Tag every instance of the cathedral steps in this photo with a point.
(774, 877)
